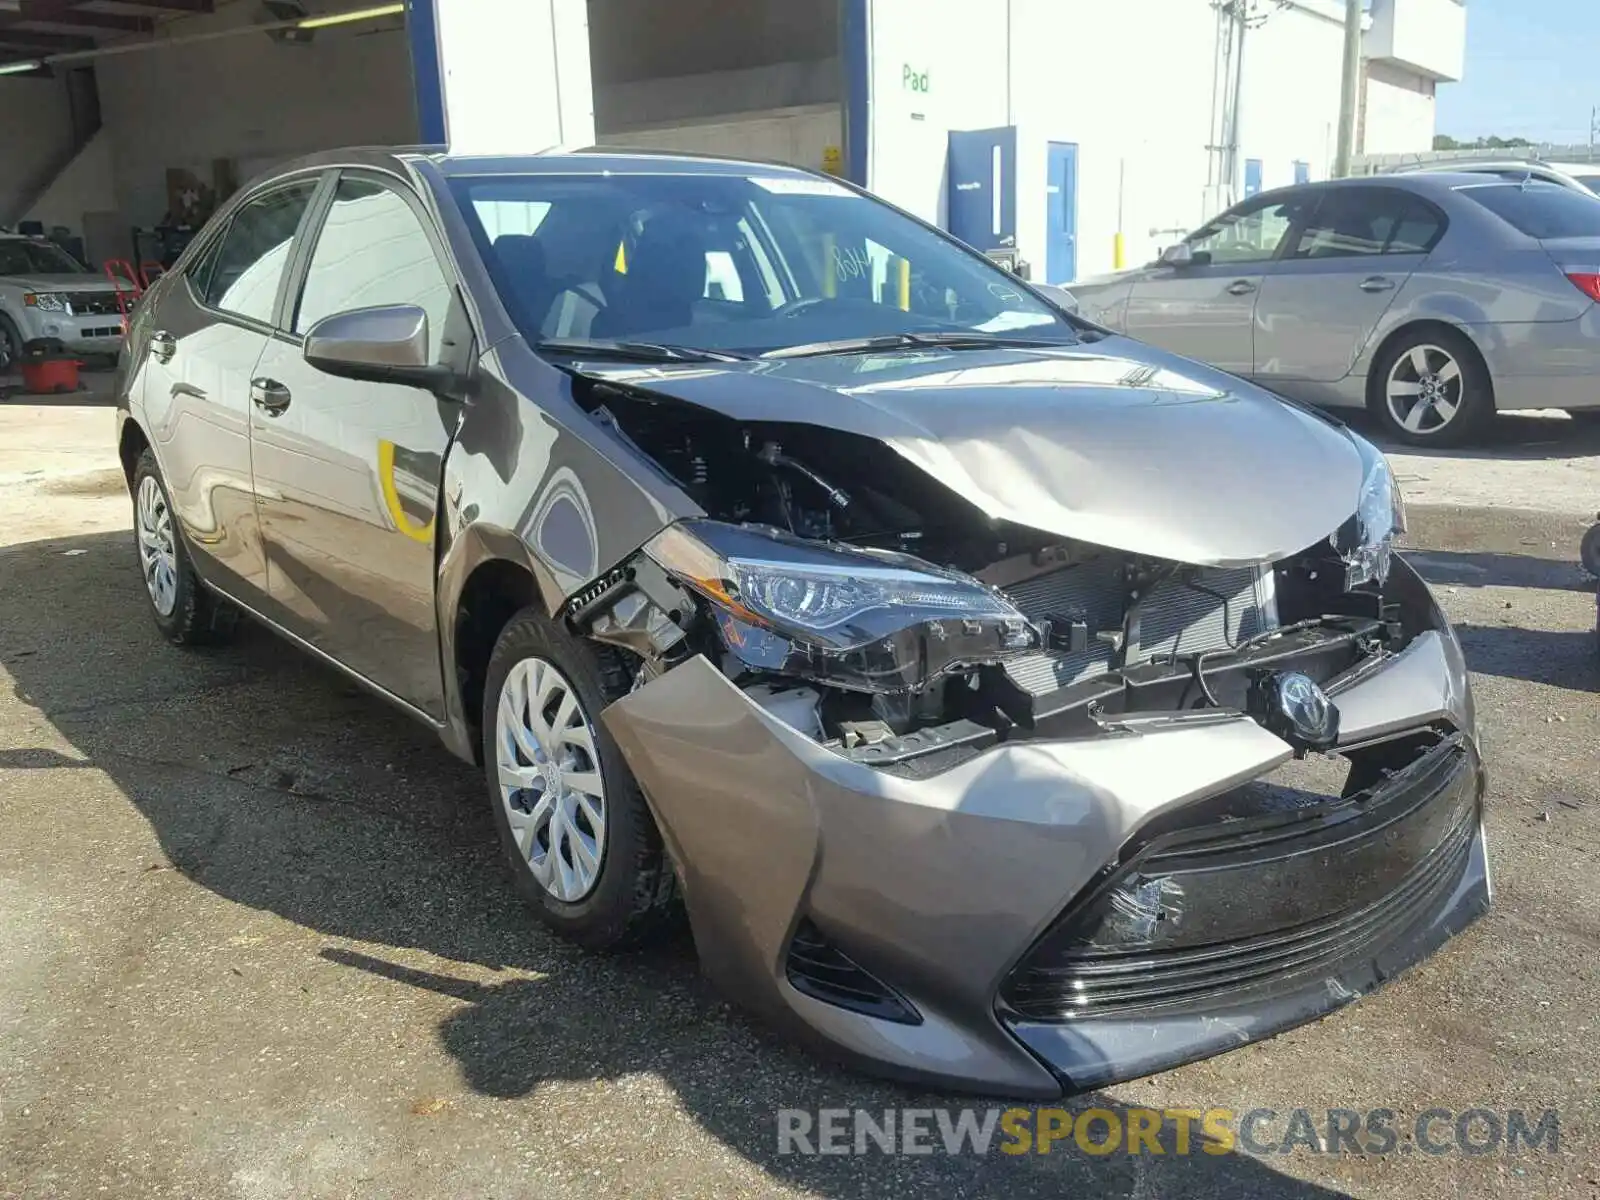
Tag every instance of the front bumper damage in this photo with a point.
(1052, 915)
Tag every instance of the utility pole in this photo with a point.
(1594, 129)
(1349, 89)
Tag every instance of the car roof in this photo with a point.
(587, 160)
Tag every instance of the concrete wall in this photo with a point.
(249, 99)
(1129, 84)
(35, 138)
(85, 186)
(1397, 114)
(800, 136)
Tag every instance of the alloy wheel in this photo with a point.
(157, 548)
(549, 778)
(1424, 390)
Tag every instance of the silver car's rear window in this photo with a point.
(1540, 210)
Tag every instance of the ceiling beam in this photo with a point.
(56, 12)
(193, 6)
(46, 43)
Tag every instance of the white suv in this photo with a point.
(45, 292)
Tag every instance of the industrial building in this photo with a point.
(1074, 136)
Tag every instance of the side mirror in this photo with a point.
(1179, 254)
(388, 344)
(1059, 296)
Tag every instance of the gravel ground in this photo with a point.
(254, 941)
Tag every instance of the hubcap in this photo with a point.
(1424, 390)
(157, 556)
(550, 784)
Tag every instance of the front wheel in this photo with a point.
(582, 847)
(1431, 389)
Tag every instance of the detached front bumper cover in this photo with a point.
(941, 929)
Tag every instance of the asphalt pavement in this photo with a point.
(255, 942)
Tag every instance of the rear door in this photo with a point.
(1206, 309)
(207, 333)
(347, 472)
(1323, 298)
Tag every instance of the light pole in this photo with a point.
(1349, 89)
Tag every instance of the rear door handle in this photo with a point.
(270, 396)
(1241, 287)
(163, 346)
(1377, 284)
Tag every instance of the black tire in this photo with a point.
(10, 345)
(1471, 389)
(635, 891)
(198, 616)
(1589, 551)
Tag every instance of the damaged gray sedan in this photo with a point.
(1012, 706)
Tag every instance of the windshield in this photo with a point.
(739, 263)
(18, 257)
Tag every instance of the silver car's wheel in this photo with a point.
(157, 552)
(550, 779)
(1424, 390)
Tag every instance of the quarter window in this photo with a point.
(243, 275)
(372, 250)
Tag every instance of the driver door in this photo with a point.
(1205, 309)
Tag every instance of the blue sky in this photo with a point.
(1533, 69)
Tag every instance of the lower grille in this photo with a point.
(822, 971)
(1195, 610)
(1206, 915)
(93, 304)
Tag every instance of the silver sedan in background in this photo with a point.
(1434, 299)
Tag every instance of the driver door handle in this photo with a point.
(1241, 287)
(1377, 283)
(270, 396)
(163, 346)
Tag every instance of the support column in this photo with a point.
(502, 76)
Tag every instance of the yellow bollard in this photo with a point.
(905, 285)
(1119, 251)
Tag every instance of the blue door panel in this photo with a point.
(1061, 209)
(982, 203)
(1302, 172)
(1252, 176)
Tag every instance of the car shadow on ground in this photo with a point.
(1568, 659)
(1454, 568)
(1515, 435)
(272, 782)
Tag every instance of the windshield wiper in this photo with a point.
(912, 341)
(634, 351)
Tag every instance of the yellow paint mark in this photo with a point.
(621, 265)
(391, 498)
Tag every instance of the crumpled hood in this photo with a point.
(1114, 443)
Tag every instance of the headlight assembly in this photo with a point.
(864, 620)
(45, 301)
(1366, 541)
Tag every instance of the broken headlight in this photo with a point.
(864, 620)
(1366, 541)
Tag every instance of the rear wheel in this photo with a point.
(582, 847)
(185, 612)
(1430, 388)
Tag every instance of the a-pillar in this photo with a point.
(502, 76)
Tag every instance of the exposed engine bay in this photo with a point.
(1050, 637)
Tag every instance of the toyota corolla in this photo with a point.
(1009, 705)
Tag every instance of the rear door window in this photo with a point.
(244, 276)
(1353, 222)
(1540, 210)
